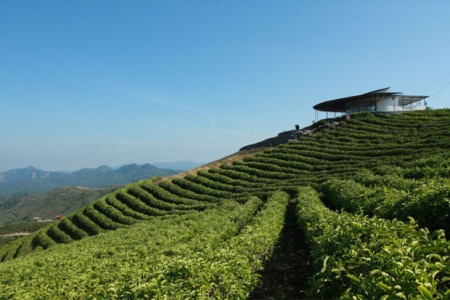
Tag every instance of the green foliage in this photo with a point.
(158, 192)
(427, 200)
(42, 240)
(59, 236)
(85, 224)
(100, 219)
(137, 205)
(213, 254)
(357, 257)
(227, 190)
(186, 193)
(124, 209)
(49, 204)
(230, 271)
(201, 236)
(113, 213)
(21, 227)
(71, 229)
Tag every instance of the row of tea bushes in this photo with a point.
(357, 257)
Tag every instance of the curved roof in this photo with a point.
(339, 105)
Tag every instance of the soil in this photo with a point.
(285, 275)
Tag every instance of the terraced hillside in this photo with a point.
(209, 234)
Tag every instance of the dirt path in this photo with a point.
(285, 275)
(15, 234)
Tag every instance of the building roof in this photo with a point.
(340, 105)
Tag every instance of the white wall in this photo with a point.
(389, 104)
(415, 107)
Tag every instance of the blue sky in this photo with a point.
(85, 83)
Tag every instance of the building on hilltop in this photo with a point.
(382, 101)
(378, 101)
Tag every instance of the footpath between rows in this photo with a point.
(285, 275)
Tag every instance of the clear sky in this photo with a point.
(85, 83)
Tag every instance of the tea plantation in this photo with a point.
(372, 200)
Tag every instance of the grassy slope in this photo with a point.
(49, 204)
(365, 141)
(11, 232)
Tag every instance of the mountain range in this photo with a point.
(31, 180)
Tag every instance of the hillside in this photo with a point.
(14, 231)
(32, 180)
(47, 205)
(362, 191)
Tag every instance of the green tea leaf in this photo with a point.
(353, 277)
(425, 292)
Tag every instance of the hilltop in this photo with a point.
(177, 165)
(366, 201)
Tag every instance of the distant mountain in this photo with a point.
(178, 165)
(28, 173)
(31, 180)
